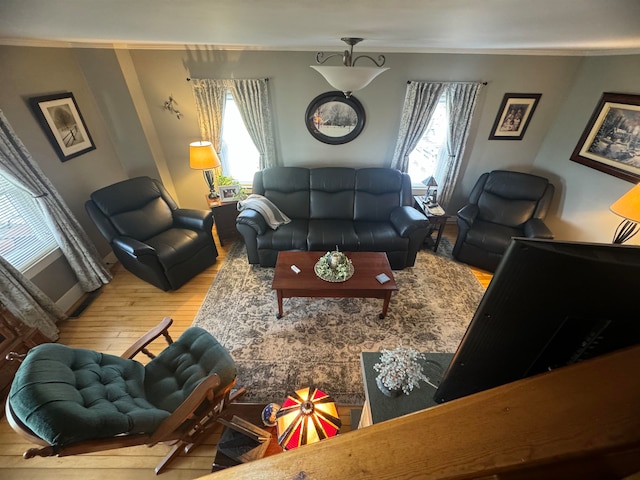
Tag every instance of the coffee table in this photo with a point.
(362, 284)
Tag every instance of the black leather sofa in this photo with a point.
(367, 209)
(502, 205)
(153, 238)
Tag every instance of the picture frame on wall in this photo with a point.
(610, 142)
(228, 193)
(514, 115)
(335, 119)
(62, 122)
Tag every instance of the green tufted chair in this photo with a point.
(72, 400)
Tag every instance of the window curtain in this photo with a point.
(461, 102)
(252, 99)
(420, 101)
(27, 302)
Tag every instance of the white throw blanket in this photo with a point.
(271, 214)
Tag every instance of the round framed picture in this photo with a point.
(335, 119)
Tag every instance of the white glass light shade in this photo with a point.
(348, 79)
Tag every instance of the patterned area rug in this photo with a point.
(318, 341)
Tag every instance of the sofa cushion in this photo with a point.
(332, 193)
(66, 395)
(379, 237)
(378, 192)
(292, 236)
(327, 234)
(288, 188)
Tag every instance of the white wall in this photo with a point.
(582, 203)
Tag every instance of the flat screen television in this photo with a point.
(549, 304)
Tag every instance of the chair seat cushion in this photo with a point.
(179, 368)
(66, 395)
(177, 245)
(491, 236)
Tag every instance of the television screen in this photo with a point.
(549, 304)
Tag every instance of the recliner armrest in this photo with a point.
(193, 219)
(253, 219)
(407, 220)
(536, 228)
(133, 247)
(468, 213)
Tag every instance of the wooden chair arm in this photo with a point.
(186, 409)
(141, 344)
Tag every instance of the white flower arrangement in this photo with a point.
(335, 266)
(399, 369)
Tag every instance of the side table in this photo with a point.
(378, 407)
(224, 217)
(437, 221)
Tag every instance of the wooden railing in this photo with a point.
(581, 421)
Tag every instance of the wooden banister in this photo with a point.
(575, 418)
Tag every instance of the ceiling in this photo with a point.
(565, 27)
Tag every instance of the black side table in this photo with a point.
(224, 217)
(437, 221)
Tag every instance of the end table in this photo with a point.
(437, 221)
(224, 217)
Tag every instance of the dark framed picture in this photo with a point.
(514, 116)
(63, 124)
(335, 119)
(611, 141)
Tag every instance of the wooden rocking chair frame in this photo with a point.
(185, 429)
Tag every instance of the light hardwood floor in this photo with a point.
(124, 310)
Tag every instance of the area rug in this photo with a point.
(318, 341)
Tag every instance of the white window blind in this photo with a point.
(25, 237)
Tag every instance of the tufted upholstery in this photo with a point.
(66, 395)
(153, 238)
(502, 205)
(367, 209)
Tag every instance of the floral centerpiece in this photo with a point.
(399, 370)
(334, 267)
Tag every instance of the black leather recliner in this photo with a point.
(502, 205)
(153, 238)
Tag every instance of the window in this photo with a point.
(423, 160)
(25, 237)
(241, 158)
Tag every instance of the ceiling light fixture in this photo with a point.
(349, 78)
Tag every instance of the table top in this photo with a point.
(385, 408)
(419, 199)
(366, 266)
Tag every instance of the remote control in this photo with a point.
(382, 278)
(295, 269)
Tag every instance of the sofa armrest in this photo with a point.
(407, 220)
(193, 219)
(536, 228)
(133, 247)
(253, 219)
(468, 213)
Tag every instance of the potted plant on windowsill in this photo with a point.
(399, 371)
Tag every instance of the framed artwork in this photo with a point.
(63, 124)
(611, 141)
(335, 119)
(514, 116)
(228, 193)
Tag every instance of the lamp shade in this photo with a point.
(202, 156)
(349, 79)
(628, 205)
(307, 416)
(430, 182)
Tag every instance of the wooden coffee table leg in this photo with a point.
(279, 294)
(385, 305)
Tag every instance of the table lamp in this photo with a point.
(203, 157)
(307, 416)
(628, 207)
(430, 182)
